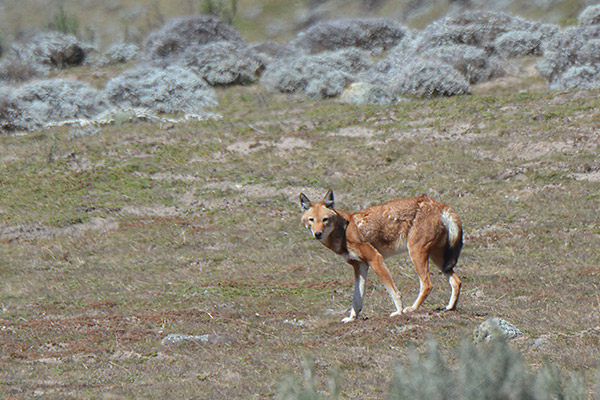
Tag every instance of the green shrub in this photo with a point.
(66, 23)
(487, 372)
(492, 371)
(220, 9)
(293, 388)
(426, 378)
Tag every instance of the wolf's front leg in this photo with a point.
(360, 278)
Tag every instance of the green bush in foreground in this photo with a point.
(292, 388)
(486, 372)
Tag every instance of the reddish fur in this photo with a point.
(368, 236)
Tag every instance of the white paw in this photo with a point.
(408, 310)
(348, 319)
(396, 313)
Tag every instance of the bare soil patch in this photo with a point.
(355, 132)
(37, 231)
(284, 144)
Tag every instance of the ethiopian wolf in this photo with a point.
(427, 228)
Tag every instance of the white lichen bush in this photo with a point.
(270, 51)
(472, 62)
(574, 47)
(10, 113)
(224, 63)
(590, 15)
(38, 103)
(170, 41)
(410, 74)
(20, 68)
(53, 50)
(168, 90)
(365, 33)
(474, 43)
(120, 53)
(427, 78)
(320, 75)
(39, 54)
(584, 77)
(476, 28)
(519, 43)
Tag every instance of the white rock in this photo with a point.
(493, 327)
(364, 93)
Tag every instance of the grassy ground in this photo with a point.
(110, 242)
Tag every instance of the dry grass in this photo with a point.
(112, 241)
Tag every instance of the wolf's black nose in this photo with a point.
(318, 235)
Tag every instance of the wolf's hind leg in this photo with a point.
(455, 284)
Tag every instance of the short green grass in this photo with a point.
(193, 238)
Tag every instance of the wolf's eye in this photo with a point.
(311, 220)
(325, 220)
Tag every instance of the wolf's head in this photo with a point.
(319, 217)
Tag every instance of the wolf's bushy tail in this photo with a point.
(455, 239)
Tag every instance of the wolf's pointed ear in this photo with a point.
(304, 202)
(328, 199)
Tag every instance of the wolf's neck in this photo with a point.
(337, 239)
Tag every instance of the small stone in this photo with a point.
(124, 355)
(294, 322)
(50, 360)
(178, 338)
(493, 327)
(540, 341)
(364, 93)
